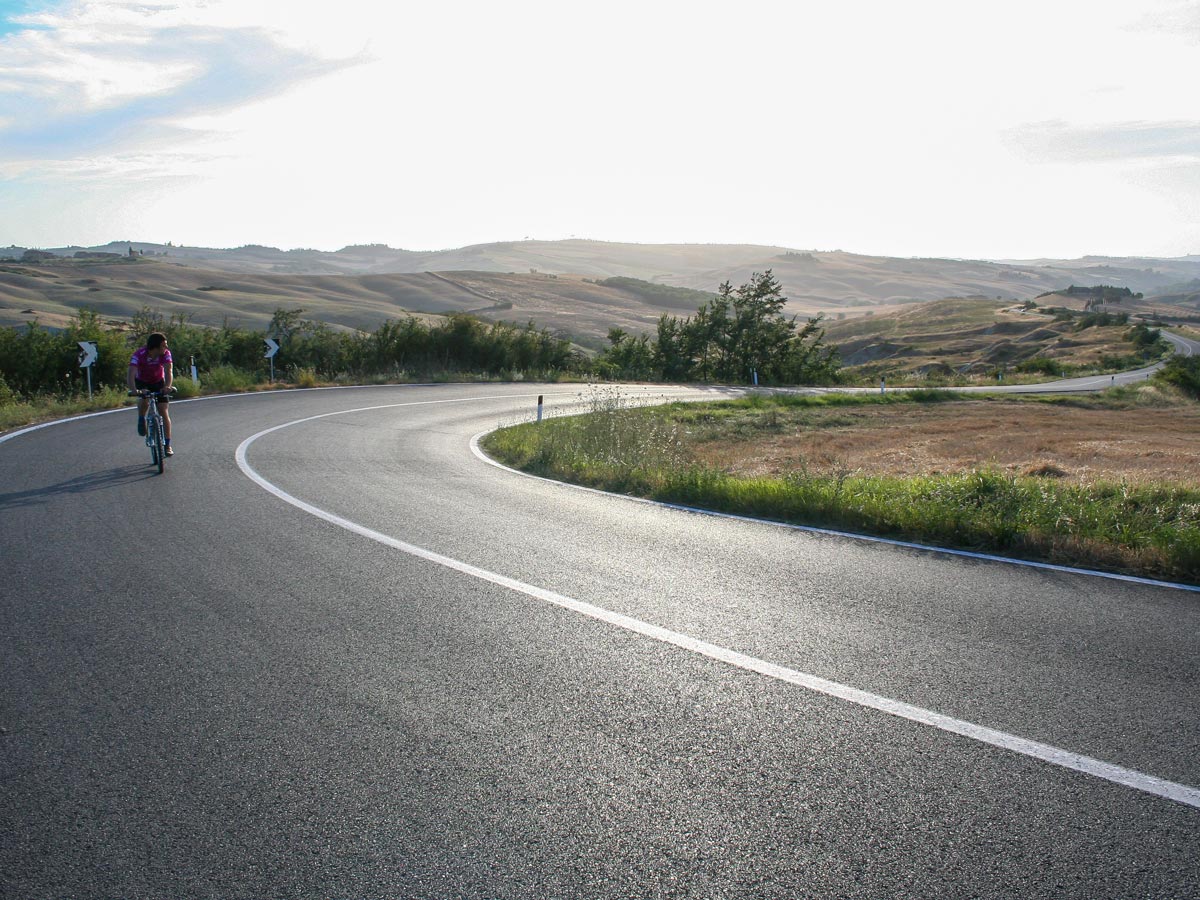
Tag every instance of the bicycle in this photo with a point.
(155, 437)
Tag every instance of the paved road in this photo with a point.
(1181, 345)
(1091, 383)
(420, 675)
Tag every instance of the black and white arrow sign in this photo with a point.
(89, 354)
(272, 348)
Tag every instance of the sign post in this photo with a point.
(195, 376)
(272, 349)
(86, 359)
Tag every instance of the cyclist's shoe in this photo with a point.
(167, 450)
(141, 426)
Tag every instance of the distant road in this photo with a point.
(1183, 347)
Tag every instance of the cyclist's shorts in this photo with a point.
(152, 386)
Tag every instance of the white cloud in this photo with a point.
(139, 63)
(932, 127)
(1147, 142)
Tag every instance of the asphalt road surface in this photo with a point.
(333, 653)
(1181, 345)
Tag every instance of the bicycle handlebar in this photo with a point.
(161, 395)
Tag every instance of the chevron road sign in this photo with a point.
(89, 354)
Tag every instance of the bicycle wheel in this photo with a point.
(154, 439)
(162, 450)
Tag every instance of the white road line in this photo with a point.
(1150, 784)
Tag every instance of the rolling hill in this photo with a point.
(579, 288)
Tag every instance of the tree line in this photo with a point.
(36, 360)
(739, 334)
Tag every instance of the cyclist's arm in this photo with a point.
(131, 378)
(168, 376)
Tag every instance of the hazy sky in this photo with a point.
(922, 128)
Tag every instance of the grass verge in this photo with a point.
(17, 413)
(1151, 531)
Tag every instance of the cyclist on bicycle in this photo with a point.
(151, 369)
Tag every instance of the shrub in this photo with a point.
(7, 394)
(227, 380)
(305, 377)
(1041, 365)
(1184, 373)
(186, 388)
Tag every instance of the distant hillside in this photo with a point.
(576, 287)
(582, 308)
(813, 280)
(948, 337)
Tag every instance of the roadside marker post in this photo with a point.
(86, 359)
(539, 414)
(195, 377)
(883, 385)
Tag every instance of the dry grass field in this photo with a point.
(1072, 441)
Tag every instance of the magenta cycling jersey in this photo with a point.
(150, 370)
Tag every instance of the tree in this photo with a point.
(626, 357)
(742, 331)
(759, 332)
(669, 354)
(285, 322)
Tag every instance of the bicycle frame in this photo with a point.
(155, 434)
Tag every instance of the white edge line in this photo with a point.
(812, 529)
(1140, 781)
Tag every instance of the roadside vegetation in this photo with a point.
(40, 376)
(710, 455)
(736, 336)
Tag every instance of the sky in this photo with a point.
(994, 130)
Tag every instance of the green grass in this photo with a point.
(227, 380)
(17, 412)
(1148, 531)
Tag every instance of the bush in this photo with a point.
(1184, 373)
(185, 388)
(1041, 365)
(227, 380)
(7, 394)
(305, 377)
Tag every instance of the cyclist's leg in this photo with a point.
(143, 402)
(164, 411)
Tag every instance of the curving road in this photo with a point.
(335, 653)
(1180, 345)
